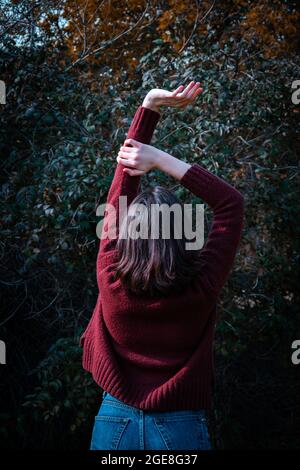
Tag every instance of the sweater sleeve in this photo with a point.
(142, 128)
(221, 246)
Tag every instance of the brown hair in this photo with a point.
(154, 266)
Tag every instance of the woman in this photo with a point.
(149, 343)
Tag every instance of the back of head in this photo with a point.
(153, 259)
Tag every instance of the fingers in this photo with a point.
(178, 90)
(130, 141)
(127, 149)
(131, 172)
(194, 92)
(193, 89)
(129, 163)
(123, 154)
(124, 160)
(187, 96)
(186, 92)
(198, 92)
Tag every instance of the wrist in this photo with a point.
(162, 159)
(171, 165)
(150, 104)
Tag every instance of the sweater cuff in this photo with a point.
(143, 124)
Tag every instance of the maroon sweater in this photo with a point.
(157, 353)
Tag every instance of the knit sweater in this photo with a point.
(157, 353)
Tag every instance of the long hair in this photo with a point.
(154, 265)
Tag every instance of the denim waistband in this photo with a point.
(182, 412)
(114, 399)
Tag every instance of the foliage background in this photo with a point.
(75, 74)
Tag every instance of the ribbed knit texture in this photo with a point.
(157, 354)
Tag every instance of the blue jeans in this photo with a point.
(119, 426)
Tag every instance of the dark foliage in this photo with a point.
(59, 136)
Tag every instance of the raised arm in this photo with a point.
(141, 129)
(226, 202)
(126, 180)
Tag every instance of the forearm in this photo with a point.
(143, 124)
(227, 204)
(171, 165)
(141, 129)
(203, 183)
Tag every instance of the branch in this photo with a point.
(196, 23)
(107, 43)
(19, 19)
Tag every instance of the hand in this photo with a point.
(141, 158)
(178, 98)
